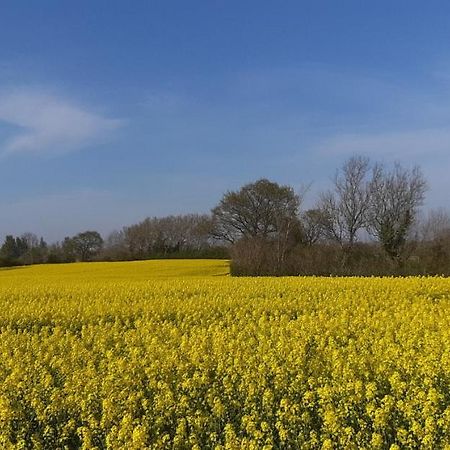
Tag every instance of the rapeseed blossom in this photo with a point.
(133, 356)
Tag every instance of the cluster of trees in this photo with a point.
(29, 249)
(368, 223)
(182, 236)
(26, 249)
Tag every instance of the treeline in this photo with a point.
(182, 236)
(369, 222)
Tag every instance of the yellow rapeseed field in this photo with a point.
(178, 355)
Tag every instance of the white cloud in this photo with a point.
(48, 124)
(392, 145)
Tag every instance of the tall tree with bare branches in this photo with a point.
(394, 199)
(344, 207)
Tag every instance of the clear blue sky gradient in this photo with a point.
(111, 111)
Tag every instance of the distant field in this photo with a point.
(177, 355)
(117, 271)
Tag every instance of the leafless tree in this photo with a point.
(163, 235)
(343, 209)
(30, 239)
(435, 225)
(115, 247)
(394, 199)
(36, 249)
(312, 226)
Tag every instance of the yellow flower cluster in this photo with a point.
(111, 355)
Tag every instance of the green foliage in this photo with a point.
(12, 250)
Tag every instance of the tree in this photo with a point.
(434, 247)
(115, 247)
(394, 199)
(168, 235)
(13, 249)
(435, 225)
(343, 209)
(312, 226)
(261, 209)
(87, 245)
(36, 249)
(66, 252)
(265, 215)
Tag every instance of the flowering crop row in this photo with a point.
(224, 363)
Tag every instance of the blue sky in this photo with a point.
(113, 111)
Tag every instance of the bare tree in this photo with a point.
(434, 249)
(186, 232)
(435, 225)
(170, 234)
(31, 240)
(36, 249)
(141, 238)
(115, 247)
(343, 209)
(312, 226)
(395, 197)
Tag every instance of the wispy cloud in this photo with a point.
(48, 124)
(416, 144)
